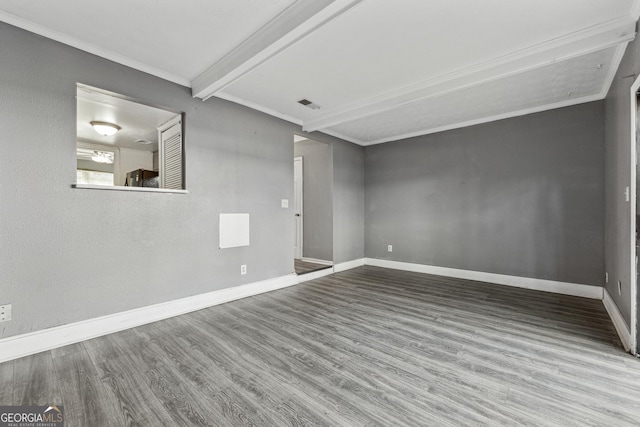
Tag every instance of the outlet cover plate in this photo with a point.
(5, 312)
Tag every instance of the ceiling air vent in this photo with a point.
(309, 104)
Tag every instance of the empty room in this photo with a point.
(319, 213)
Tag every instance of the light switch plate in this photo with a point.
(285, 203)
(390, 248)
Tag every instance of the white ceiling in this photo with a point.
(379, 70)
(175, 40)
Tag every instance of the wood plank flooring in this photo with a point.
(304, 267)
(365, 347)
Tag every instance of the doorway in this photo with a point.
(313, 205)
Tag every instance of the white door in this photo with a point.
(297, 206)
(170, 154)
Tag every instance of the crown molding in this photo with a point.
(258, 107)
(91, 48)
(458, 125)
(342, 136)
(294, 23)
(282, 116)
(579, 43)
(488, 119)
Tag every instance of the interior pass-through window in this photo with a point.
(125, 143)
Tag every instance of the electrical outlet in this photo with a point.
(5, 312)
(619, 287)
(284, 203)
(606, 277)
(390, 248)
(243, 269)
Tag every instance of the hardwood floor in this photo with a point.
(304, 267)
(368, 346)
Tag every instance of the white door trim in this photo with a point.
(632, 208)
(299, 198)
(618, 321)
(177, 120)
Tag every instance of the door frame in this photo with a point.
(296, 196)
(635, 87)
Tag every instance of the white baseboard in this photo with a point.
(575, 289)
(317, 261)
(47, 339)
(622, 329)
(348, 265)
(59, 336)
(305, 277)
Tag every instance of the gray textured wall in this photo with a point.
(317, 160)
(522, 196)
(152, 247)
(618, 233)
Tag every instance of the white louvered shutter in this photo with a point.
(171, 153)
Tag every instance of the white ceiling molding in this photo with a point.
(88, 47)
(293, 24)
(452, 71)
(280, 115)
(342, 136)
(258, 107)
(508, 115)
(557, 85)
(608, 34)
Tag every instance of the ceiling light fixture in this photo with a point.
(105, 129)
(102, 157)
